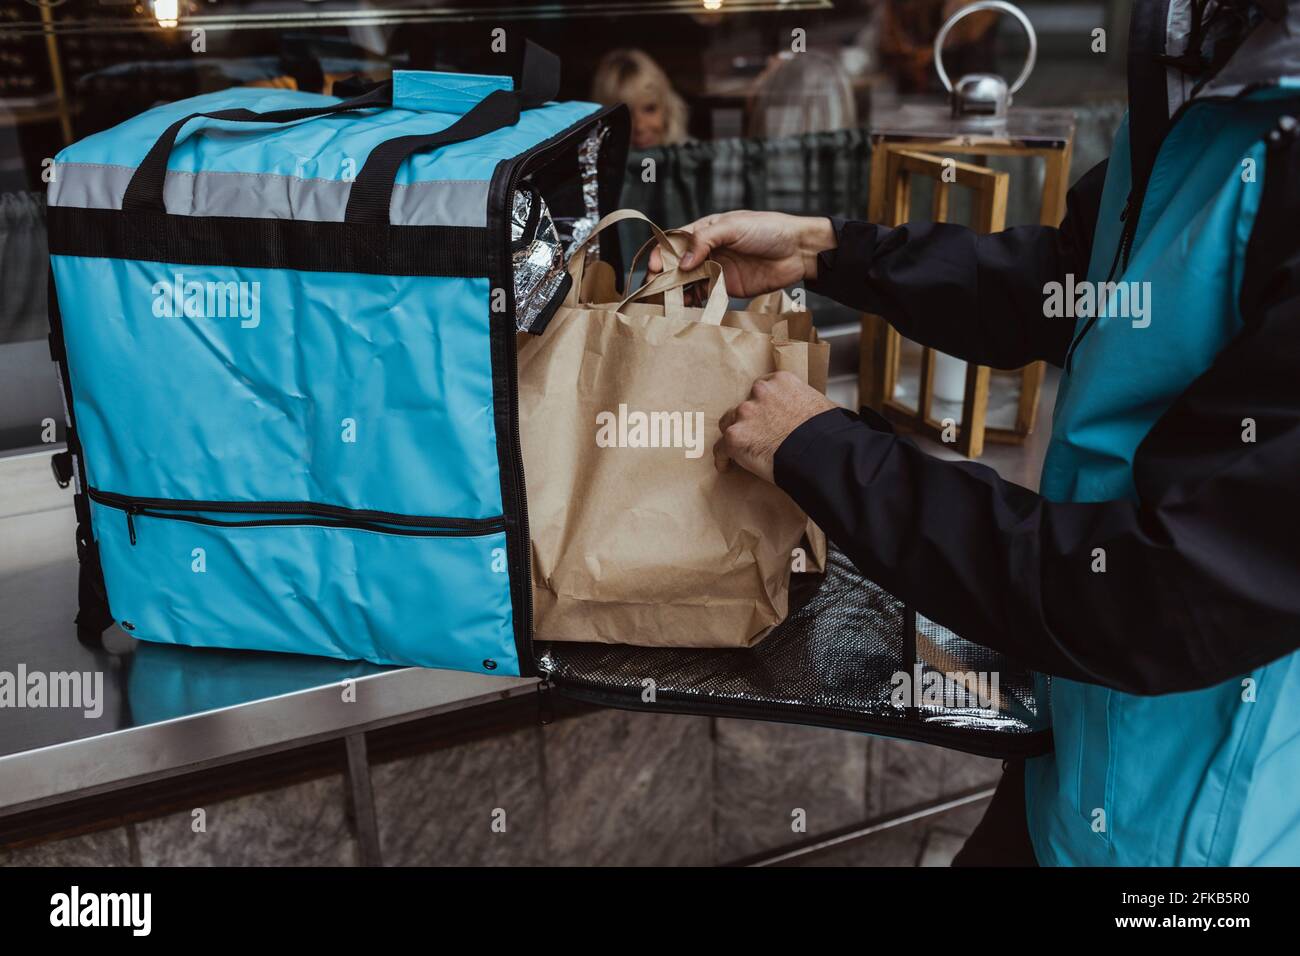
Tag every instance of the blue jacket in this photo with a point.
(1156, 575)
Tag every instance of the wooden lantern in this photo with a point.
(921, 141)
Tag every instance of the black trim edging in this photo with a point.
(505, 378)
(236, 242)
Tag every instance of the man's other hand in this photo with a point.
(753, 430)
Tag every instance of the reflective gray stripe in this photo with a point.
(267, 196)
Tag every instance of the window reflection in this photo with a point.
(761, 104)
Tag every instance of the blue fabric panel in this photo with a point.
(220, 408)
(443, 92)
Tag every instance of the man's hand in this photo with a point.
(753, 430)
(759, 251)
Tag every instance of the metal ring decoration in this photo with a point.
(1000, 6)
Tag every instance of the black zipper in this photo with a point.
(500, 196)
(293, 513)
(1120, 251)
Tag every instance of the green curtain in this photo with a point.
(817, 174)
(814, 174)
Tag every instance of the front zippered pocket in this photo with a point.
(309, 578)
(292, 513)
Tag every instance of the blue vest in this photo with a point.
(1198, 778)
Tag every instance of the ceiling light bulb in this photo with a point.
(166, 12)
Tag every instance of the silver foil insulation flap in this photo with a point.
(589, 165)
(541, 244)
(538, 258)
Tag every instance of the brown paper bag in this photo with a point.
(636, 537)
(812, 364)
(762, 314)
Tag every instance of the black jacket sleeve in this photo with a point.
(977, 297)
(1202, 569)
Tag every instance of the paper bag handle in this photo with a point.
(671, 261)
(578, 258)
(673, 298)
(666, 282)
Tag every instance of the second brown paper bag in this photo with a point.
(798, 348)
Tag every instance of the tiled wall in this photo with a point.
(607, 787)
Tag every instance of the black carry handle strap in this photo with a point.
(372, 192)
(145, 191)
(539, 76)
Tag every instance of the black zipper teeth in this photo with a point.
(313, 522)
(1092, 319)
(329, 515)
(975, 741)
(510, 180)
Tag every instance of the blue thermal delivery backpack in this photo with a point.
(286, 326)
(286, 329)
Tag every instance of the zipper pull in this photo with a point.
(545, 705)
(131, 511)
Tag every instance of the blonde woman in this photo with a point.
(632, 77)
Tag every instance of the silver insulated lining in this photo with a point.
(589, 164)
(537, 256)
(833, 662)
(541, 243)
